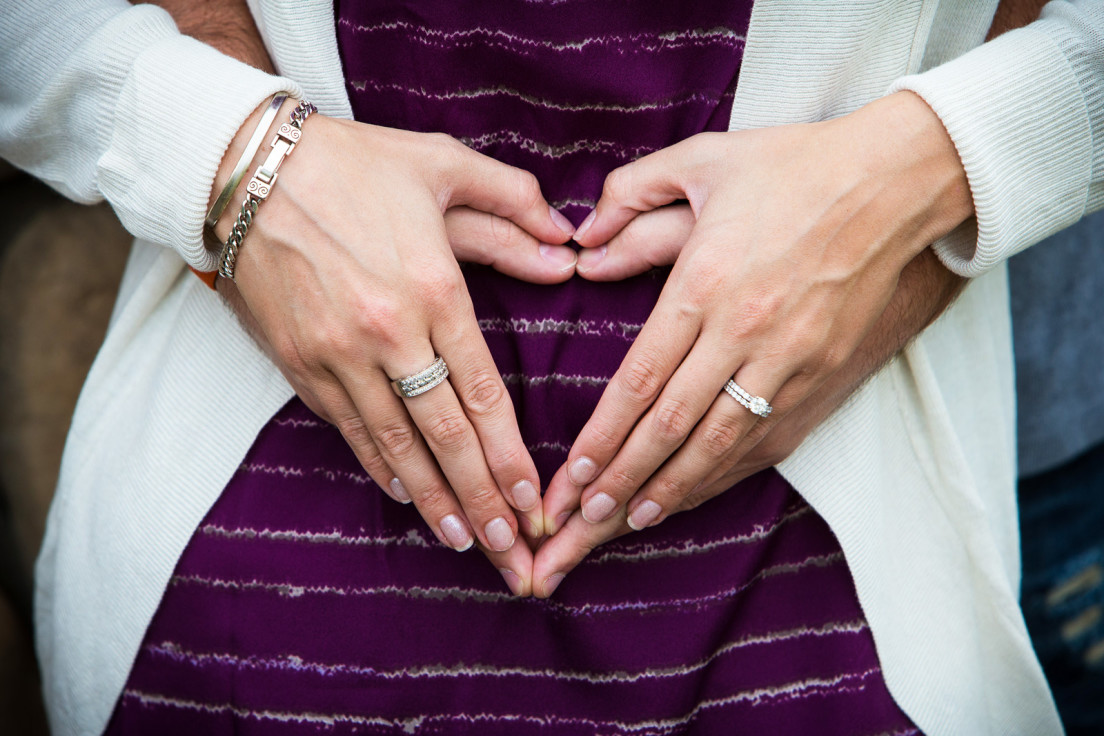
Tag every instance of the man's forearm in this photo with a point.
(226, 26)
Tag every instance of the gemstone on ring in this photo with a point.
(755, 404)
(422, 381)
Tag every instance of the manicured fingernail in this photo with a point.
(525, 495)
(644, 514)
(562, 222)
(559, 256)
(456, 532)
(552, 582)
(598, 507)
(512, 580)
(398, 491)
(499, 534)
(590, 257)
(582, 229)
(582, 471)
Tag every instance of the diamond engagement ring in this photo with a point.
(422, 381)
(755, 404)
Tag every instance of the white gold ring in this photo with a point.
(755, 404)
(422, 381)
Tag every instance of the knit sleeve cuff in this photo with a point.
(1016, 109)
(180, 106)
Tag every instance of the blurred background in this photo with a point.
(60, 266)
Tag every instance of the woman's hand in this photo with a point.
(349, 274)
(800, 235)
(655, 238)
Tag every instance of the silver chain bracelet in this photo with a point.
(261, 185)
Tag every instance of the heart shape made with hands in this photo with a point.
(847, 210)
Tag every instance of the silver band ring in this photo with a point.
(422, 381)
(755, 404)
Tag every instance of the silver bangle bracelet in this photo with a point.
(260, 186)
(246, 158)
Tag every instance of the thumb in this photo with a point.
(482, 183)
(652, 239)
(645, 184)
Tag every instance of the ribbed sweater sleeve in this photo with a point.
(103, 100)
(1026, 113)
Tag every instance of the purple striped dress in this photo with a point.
(309, 602)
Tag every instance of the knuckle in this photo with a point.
(374, 463)
(673, 420)
(510, 459)
(444, 143)
(448, 431)
(829, 359)
(621, 479)
(718, 438)
(397, 440)
(503, 233)
(668, 490)
(618, 185)
(483, 393)
(641, 379)
(378, 320)
(356, 433)
(528, 191)
(434, 497)
(439, 287)
(604, 438)
(482, 499)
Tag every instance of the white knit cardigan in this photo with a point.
(915, 474)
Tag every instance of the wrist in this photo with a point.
(920, 171)
(233, 155)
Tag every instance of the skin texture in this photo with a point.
(847, 282)
(877, 186)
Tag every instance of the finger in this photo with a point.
(516, 567)
(479, 387)
(666, 338)
(480, 237)
(452, 439)
(380, 417)
(645, 184)
(711, 448)
(318, 396)
(666, 425)
(333, 401)
(653, 239)
(562, 553)
(561, 499)
(492, 186)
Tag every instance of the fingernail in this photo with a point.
(525, 495)
(581, 231)
(562, 222)
(552, 582)
(582, 471)
(644, 514)
(559, 256)
(456, 532)
(399, 491)
(588, 258)
(598, 507)
(499, 534)
(512, 580)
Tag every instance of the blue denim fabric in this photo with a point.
(1062, 528)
